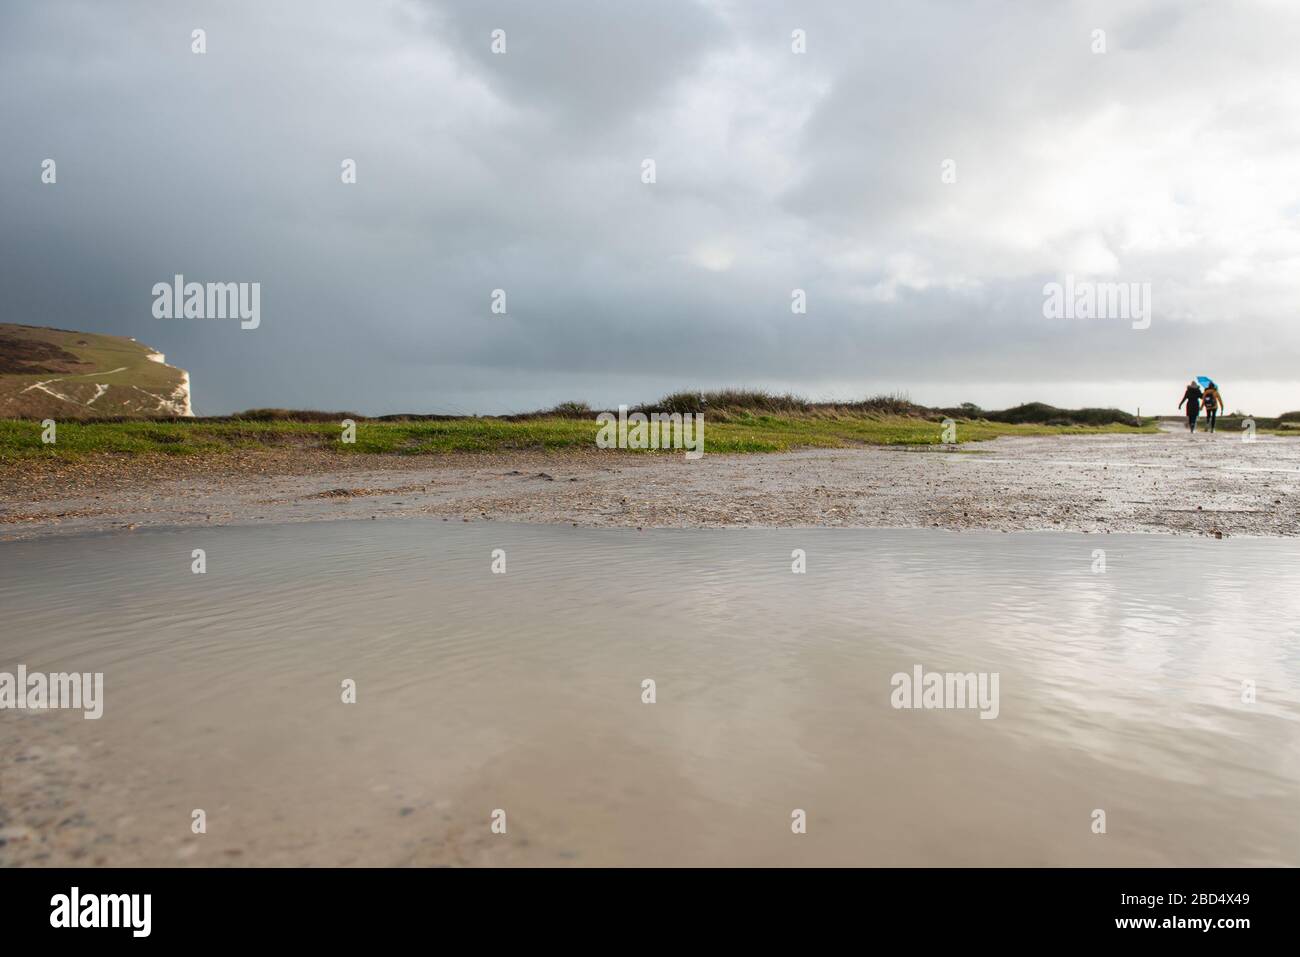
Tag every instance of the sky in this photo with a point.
(921, 171)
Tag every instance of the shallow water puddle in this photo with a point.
(1156, 683)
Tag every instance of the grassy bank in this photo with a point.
(724, 432)
(1288, 424)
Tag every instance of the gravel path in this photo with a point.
(1167, 483)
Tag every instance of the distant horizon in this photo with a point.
(1144, 398)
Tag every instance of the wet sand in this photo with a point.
(1163, 483)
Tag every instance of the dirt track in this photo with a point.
(1166, 483)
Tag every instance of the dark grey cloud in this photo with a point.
(1169, 159)
(585, 65)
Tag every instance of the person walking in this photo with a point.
(1193, 399)
(1212, 402)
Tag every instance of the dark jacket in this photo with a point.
(1193, 399)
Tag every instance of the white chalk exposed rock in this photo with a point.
(144, 384)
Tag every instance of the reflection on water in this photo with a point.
(1120, 691)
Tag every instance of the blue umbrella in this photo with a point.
(1204, 380)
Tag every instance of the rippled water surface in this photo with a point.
(1119, 691)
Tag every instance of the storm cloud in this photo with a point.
(1167, 159)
